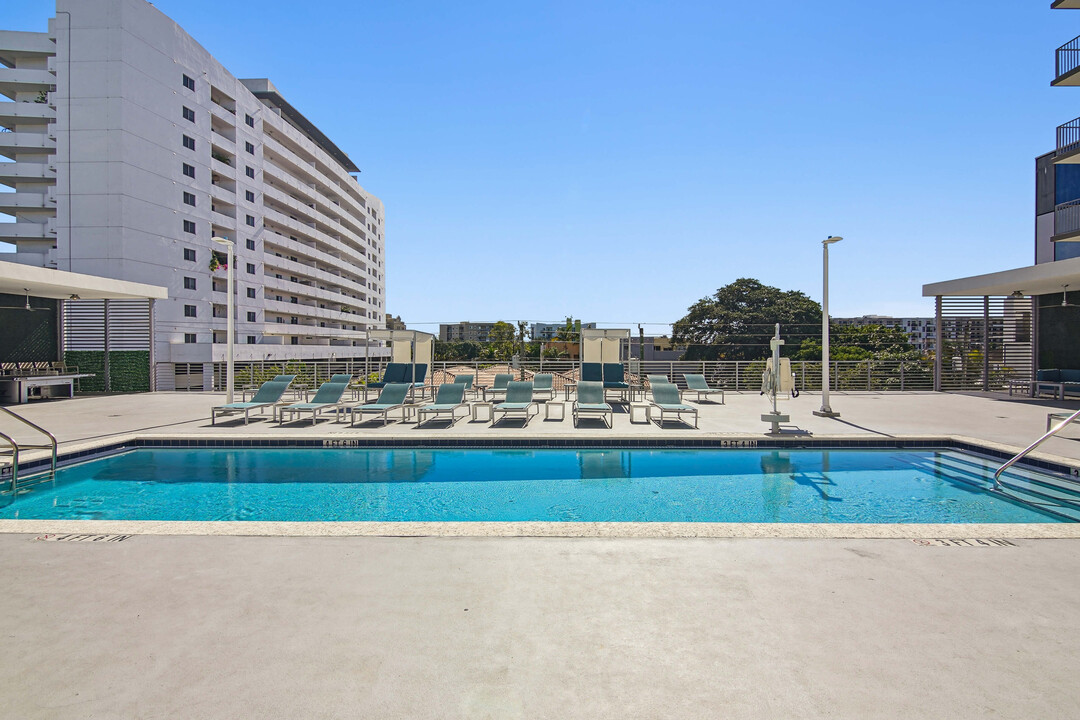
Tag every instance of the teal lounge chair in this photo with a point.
(268, 396)
(665, 398)
(615, 377)
(519, 401)
(542, 387)
(592, 372)
(697, 384)
(653, 379)
(590, 401)
(467, 381)
(450, 397)
(391, 397)
(327, 398)
(499, 386)
(394, 373)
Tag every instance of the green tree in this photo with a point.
(570, 332)
(850, 342)
(737, 322)
(449, 351)
(501, 341)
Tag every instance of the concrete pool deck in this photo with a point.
(227, 626)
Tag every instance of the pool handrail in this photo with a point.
(1018, 456)
(17, 447)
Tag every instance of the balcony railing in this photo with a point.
(1067, 58)
(1067, 218)
(1068, 138)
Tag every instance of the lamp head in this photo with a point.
(831, 239)
(222, 241)
(1017, 295)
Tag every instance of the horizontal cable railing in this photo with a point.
(1067, 57)
(736, 375)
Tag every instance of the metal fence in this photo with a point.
(735, 375)
(1067, 58)
(1068, 137)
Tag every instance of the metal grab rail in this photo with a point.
(14, 460)
(16, 447)
(1016, 458)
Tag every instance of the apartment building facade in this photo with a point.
(131, 147)
(466, 331)
(920, 331)
(1026, 318)
(547, 331)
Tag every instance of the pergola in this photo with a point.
(996, 316)
(38, 282)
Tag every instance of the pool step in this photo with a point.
(1057, 494)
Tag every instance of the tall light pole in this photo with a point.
(826, 410)
(231, 313)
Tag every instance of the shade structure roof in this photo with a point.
(399, 335)
(19, 279)
(604, 333)
(1032, 280)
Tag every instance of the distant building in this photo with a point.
(466, 331)
(547, 331)
(129, 148)
(920, 331)
(395, 323)
(656, 348)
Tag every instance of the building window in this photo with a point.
(249, 171)
(249, 196)
(189, 338)
(249, 120)
(294, 341)
(249, 244)
(251, 268)
(294, 321)
(250, 220)
(189, 283)
(189, 199)
(189, 254)
(251, 293)
(250, 148)
(190, 311)
(251, 317)
(294, 301)
(189, 226)
(250, 339)
(189, 114)
(189, 83)
(189, 170)
(189, 142)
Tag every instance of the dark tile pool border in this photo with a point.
(928, 443)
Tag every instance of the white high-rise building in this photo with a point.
(131, 147)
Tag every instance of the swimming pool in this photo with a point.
(587, 485)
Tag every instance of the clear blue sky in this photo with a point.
(617, 161)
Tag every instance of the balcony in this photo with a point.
(13, 143)
(1068, 143)
(26, 172)
(1067, 64)
(16, 80)
(20, 202)
(1067, 222)
(25, 231)
(25, 113)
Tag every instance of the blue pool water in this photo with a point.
(311, 484)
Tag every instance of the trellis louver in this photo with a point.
(128, 324)
(984, 342)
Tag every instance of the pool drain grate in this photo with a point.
(83, 538)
